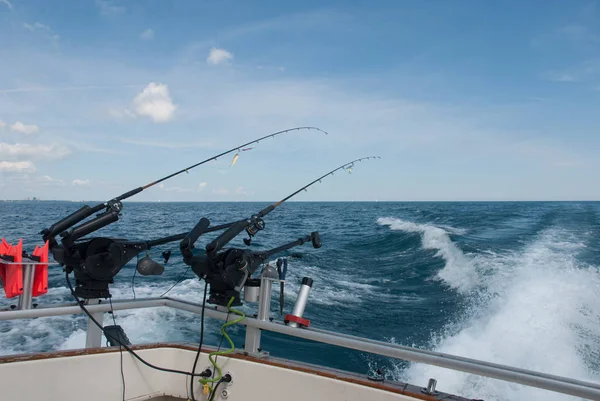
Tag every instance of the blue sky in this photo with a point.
(463, 100)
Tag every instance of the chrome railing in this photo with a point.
(502, 372)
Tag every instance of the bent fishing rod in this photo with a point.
(114, 206)
(257, 224)
(227, 270)
(252, 225)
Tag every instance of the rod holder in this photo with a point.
(252, 290)
(295, 318)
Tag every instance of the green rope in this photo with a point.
(212, 355)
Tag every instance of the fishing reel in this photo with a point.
(227, 270)
(96, 262)
(255, 225)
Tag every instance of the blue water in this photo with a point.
(512, 283)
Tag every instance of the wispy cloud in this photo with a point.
(47, 180)
(168, 145)
(24, 128)
(198, 189)
(45, 29)
(67, 88)
(2, 124)
(81, 183)
(18, 150)
(108, 8)
(562, 77)
(220, 191)
(243, 191)
(579, 33)
(148, 34)
(218, 56)
(7, 3)
(17, 167)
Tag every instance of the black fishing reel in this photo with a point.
(226, 271)
(96, 262)
(255, 225)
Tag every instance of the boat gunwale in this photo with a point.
(396, 387)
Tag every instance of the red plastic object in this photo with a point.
(40, 277)
(296, 319)
(12, 275)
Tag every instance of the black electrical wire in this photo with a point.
(201, 340)
(179, 280)
(212, 396)
(127, 348)
(112, 312)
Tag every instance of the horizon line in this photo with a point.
(307, 201)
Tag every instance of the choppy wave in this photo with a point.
(537, 308)
(459, 272)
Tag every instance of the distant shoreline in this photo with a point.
(309, 201)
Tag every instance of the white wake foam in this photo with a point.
(459, 272)
(539, 309)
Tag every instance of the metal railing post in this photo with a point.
(252, 345)
(26, 299)
(93, 335)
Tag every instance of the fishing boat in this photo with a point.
(184, 371)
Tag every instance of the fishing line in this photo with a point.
(179, 280)
(133, 278)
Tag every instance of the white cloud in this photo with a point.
(24, 129)
(81, 183)
(218, 56)
(107, 7)
(2, 124)
(17, 167)
(8, 4)
(148, 34)
(155, 102)
(17, 150)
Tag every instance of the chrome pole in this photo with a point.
(26, 299)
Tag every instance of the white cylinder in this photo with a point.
(301, 300)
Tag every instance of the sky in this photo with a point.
(463, 100)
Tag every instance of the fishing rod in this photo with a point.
(114, 206)
(248, 241)
(256, 223)
(227, 271)
(96, 261)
